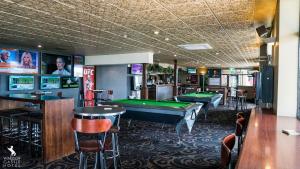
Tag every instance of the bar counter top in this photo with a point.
(265, 146)
(31, 97)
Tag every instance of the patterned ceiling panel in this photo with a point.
(93, 27)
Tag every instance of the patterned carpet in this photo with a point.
(146, 145)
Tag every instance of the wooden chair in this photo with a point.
(239, 128)
(97, 146)
(240, 115)
(227, 145)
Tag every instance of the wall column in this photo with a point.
(175, 88)
(144, 94)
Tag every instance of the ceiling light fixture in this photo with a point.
(175, 55)
(217, 53)
(39, 46)
(125, 36)
(156, 32)
(196, 46)
(167, 39)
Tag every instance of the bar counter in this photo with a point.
(265, 146)
(57, 136)
(160, 92)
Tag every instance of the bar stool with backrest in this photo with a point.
(239, 128)
(227, 145)
(97, 146)
(240, 115)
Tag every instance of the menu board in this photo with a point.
(50, 82)
(69, 82)
(21, 82)
(137, 69)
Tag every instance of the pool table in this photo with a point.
(207, 98)
(170, 112)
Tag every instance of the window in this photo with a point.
(245, 80)
(224, 80)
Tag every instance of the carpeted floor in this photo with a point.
(146, 145)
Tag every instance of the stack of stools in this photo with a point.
(32, 127)
(10, 115)
(239, 129)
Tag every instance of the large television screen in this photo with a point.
(214, 73)
(50, 82)
(19, 61)
(191, 70)
(21, 82)
(69, 82)
(137, 69)
(78, 66)
(56, 64)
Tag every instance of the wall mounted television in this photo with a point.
(70, 82)
(137, 69)
(56, 64)
(78, 66)
(19, 61)
(50, 82)
(21, 82)
(191, 70)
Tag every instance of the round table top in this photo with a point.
(98, 111)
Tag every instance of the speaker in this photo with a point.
(262, 31)
(267, 84)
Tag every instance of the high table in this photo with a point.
(265, 146)
(57, 136)
(99, 111)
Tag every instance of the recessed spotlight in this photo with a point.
(167, 39)
(217, 53)
(175, 55)
(156, 32)
(125, 36)
(39, 46)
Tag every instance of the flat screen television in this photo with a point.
(214, 73)
(191, 70)
(69, 82)
(137, 69)
(19, 61)
(21, 82)
(78, 66)
(56, 65)
(50, 82)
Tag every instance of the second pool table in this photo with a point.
(170, 112)
(207, 98)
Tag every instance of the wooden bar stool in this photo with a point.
(227, 145)
(239, 128)
(93, 126)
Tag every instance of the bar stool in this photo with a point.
(10, 115)
(32, 129)
(240, 115)
(115, 153)
(239, 128)
(227, 145)
(93, 126)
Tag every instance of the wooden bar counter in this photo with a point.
(57, 136)
(266, 147)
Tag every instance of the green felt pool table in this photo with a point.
(170, 112)
(207, 98)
